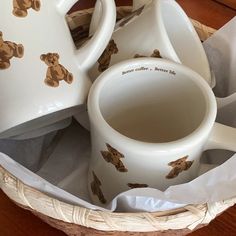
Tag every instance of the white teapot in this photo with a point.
(43, 78)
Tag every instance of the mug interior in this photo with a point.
(154, 104)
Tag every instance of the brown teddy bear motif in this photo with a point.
(96, 189)
(20, 7)
(105, 58)
(136, 185)
(156, 53)
(179, 166)
(56, 72)
(113, 156)
(8, 50)
(131, 16)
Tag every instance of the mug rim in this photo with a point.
(202, 131)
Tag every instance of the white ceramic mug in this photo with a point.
(139, 3)
(158, 29)
(150, 120)
(43, 78)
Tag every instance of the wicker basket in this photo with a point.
(76, 220)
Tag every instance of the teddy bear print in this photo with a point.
(8, 50)
(136, 185)
(179, 166)
(113, 156)
(56, 72)
(131, 16)
(20, 7)
(96, 189)
(105, 58)
(156, 53)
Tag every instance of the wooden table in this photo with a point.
(15, 221)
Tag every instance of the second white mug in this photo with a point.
(158, 29)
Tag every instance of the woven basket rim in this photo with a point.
(187, 217)
(8, 177)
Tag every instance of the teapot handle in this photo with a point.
(88, 54)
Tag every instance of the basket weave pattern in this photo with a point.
(183, 218)
(76, 220)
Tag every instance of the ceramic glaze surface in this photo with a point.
(43, 78)
(159, 26)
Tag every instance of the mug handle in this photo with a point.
(222, 102)
(91, 51)
(222, 137)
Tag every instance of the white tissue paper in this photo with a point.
(57, 163)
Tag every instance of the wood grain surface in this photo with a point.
(15, 221)
(208, 12)
(229, 3)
